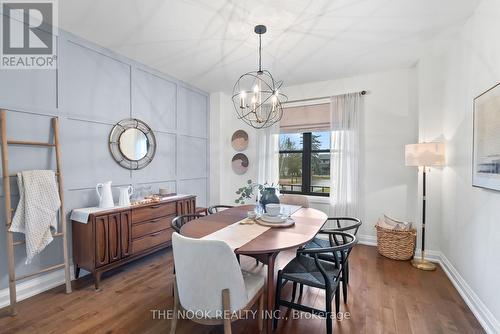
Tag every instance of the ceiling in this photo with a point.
(210, 43)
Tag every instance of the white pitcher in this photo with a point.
(125, 193)
(105, 196)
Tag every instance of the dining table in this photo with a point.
(266, 246)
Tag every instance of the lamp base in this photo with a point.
(423, 264)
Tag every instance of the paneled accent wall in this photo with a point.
(93, 89)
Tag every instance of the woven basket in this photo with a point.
(396, 244)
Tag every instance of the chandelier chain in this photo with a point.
(260, 53)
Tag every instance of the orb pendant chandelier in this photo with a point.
(256, 95)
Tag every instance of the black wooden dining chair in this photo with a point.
(341, 224)
(179, 221)
(218, 208)
(307, 268)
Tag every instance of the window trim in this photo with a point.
(306, 166)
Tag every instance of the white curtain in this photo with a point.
(344, 171)
(268, 154)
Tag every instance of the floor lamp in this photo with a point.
(424, 155)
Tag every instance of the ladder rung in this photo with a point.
(22, 242)
(15, 175)
(32, 143)
(57, 266)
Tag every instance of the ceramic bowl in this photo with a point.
(273, 209)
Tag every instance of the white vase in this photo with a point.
(125, 193)
(105, 195)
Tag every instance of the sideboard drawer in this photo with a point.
(151, 226)
(153, 211)
(151, 240)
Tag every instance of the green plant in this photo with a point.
(247, 191)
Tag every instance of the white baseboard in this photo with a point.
(35, 285)
(366, 239)
(430, 255)
(491, 325)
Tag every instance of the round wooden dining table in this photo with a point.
(266, 246)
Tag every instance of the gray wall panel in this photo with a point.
(170, 185)
(192, 113)
(23, 126)
(154, 100)
(198, 187)
(29, 89)
(81, 198)
(192, 157)
(162, 168)
(93, 86)
(87, 160)
(26, 126)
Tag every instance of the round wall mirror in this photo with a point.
(132, 143)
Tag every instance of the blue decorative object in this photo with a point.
(268, 195)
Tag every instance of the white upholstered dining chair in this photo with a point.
(292, 199)
(209, 281)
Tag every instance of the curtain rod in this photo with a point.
(363, 92)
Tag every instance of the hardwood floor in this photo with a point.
(384, 297)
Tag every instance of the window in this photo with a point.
(304, 163)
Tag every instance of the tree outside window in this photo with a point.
(304, 163)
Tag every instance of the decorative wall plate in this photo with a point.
(240, 163)
(239, 140)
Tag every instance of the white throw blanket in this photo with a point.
(36, 213)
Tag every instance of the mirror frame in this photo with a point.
(114, 143)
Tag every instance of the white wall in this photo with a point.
(451, 74)
(389, 122)
(223, 123)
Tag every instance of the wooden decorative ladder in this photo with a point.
(8, 209)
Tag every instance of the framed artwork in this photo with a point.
(486, 147)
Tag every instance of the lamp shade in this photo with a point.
(424, 154)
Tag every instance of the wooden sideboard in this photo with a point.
(114, 237)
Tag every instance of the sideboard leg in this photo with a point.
(77, 271)
(97, 280)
